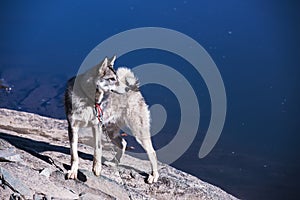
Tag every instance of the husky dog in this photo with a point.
(122, 105)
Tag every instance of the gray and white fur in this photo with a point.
(122, 104)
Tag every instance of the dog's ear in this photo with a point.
(103, 66)
(112, 60)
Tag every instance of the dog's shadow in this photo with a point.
(35, 148)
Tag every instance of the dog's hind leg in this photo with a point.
(147, 145)
(121, 144)
(73, 138)
(116, 139)
(97, 132)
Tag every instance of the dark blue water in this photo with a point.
(255, 45)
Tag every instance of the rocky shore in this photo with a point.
(34, 159)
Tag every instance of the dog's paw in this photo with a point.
(72, 174)
(153, 178)
(97, 168)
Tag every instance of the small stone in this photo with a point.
(133, 174)
(40, 196)
(82, 194)
(15, 196)
(166, 181)
(46, 172)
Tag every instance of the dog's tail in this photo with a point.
(126, 76)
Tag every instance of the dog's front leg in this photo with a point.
(97, 132)
(73, 137)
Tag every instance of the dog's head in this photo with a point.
(107, 78)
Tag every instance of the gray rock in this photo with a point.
(106, 185)
(14, 184)
(133, 174)
(40, 196)
(10, 155)
(15, 196)
(46, 172)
